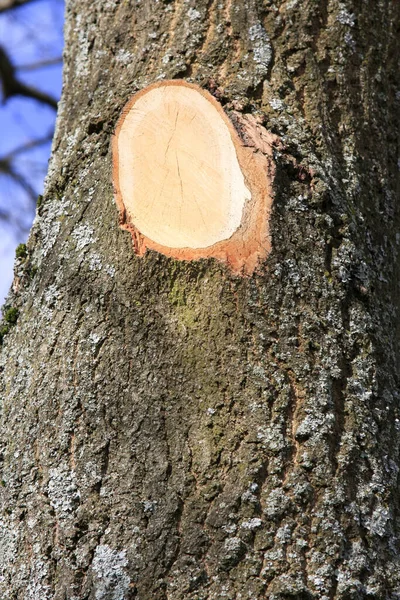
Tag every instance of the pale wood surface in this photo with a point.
(179, 176)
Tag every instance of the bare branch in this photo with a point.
(31, 92)
(40, 64)
(10, 4)
(10, 219)
(28, 146)
(13, 87)
(4, 215)
(7, 168)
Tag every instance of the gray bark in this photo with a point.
(170, 430)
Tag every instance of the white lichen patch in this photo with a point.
(249, 496)
(94, 338)
(124, 57)
(271, 437)
(276, 503)
(346, 18)
(193, 14)
(8, 546)
(251, 523)
(262, 49)
(50, 224)
(276, 104)
(229, 528)
(38, 587)
(51, 295)
(149, 506)
(284, 534)
(379, 523)
(84, 31)
(167, 57)
(110, 270)
(111, 581)
(233, 544)
(348, 38)
(63, 491)
(83, 234)
(95, 263)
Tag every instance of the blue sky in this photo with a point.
(30, 34)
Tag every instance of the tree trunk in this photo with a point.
(171, 429)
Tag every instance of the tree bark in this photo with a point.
(171, 430)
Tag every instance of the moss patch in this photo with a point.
(10, 317)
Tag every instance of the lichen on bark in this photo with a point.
(170, 430)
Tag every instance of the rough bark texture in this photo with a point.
(170, 430)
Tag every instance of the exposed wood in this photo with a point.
(186, 184)
(169, 430)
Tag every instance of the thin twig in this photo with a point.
(10, 4)
(7, 168)
(40, 64)
(13, 87)
(28, 146)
